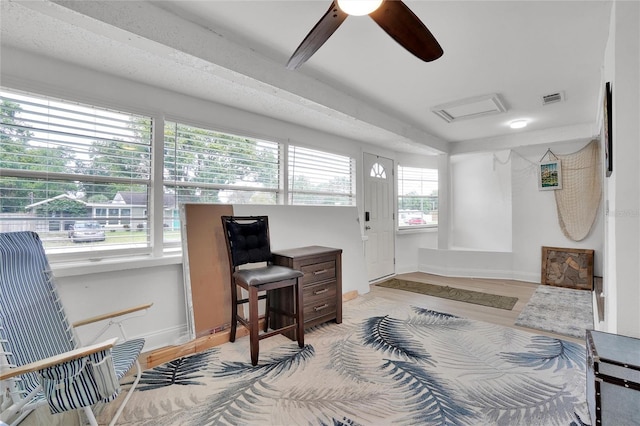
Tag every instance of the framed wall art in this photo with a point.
(567, 267)
(550, 175)
(607, 127)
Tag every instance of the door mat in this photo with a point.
(452, 293)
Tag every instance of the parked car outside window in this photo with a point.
(411, 218)
(86, 230)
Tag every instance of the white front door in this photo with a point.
(379, 227)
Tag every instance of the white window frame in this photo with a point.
(420, 180)
(54, 122)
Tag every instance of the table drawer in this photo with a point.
(318, 272)
(315, 293)
(319, 309)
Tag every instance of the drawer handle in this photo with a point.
(324, 290)
(322, 271)
(319, 308)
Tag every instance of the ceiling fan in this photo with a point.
(392, 15)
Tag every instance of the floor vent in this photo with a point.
(552, 98)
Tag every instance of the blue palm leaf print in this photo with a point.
(182, 371)
(430, 401)
(279, 361)
(249, 398)
(513, 399)
(388, 334)
(547, 352)
(429, 312)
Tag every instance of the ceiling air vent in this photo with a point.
(478, 106)
(552, 98)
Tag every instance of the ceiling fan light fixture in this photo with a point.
(518, 124)
(359, 7)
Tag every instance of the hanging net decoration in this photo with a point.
(578, 200)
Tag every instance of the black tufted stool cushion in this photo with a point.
(249, 242)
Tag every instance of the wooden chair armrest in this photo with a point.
(112, 314)
(57, 359)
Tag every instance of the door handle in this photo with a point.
(367, 227)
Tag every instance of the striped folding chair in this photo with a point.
(41, 361)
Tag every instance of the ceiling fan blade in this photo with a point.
(405, 27)
(318, 35)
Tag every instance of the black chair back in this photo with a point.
(247, 239)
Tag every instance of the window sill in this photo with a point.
(420, 230)
(70, 269)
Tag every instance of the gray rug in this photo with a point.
(559, 310)
(387, 363)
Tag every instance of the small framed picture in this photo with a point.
(550, 175)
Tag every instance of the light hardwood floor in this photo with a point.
(522, 290)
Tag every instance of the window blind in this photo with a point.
(60, 161)
(320, 178)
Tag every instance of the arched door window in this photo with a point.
(378, 171)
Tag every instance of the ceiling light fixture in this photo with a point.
(359, 7)
(518, 124)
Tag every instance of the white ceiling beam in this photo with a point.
(145, 26)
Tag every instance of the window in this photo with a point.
(206, 166)
(320, 178)
(62, 162)
(417, 197)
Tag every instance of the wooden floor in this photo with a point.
(522, 290)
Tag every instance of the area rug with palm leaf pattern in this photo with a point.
(387, 363)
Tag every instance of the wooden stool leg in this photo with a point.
(253, 324)
(266, 311)
(299, 313)
(234, 311)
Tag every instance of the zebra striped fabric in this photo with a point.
(33, 326)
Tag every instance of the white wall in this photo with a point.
(622, 189)
(408, 246)
(298, 226)
(481, 201)
(85, 295)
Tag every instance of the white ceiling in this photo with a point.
(361, 84)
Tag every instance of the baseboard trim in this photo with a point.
(350, 295)
(480, 273)
(169, 353)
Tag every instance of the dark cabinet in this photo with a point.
(321, 283)
(613, 379)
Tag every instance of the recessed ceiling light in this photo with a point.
(518, 124)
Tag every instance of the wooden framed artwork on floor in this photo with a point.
(567, 267)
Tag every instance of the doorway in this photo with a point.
(379, 222)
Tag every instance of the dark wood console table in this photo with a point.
(321, 283)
